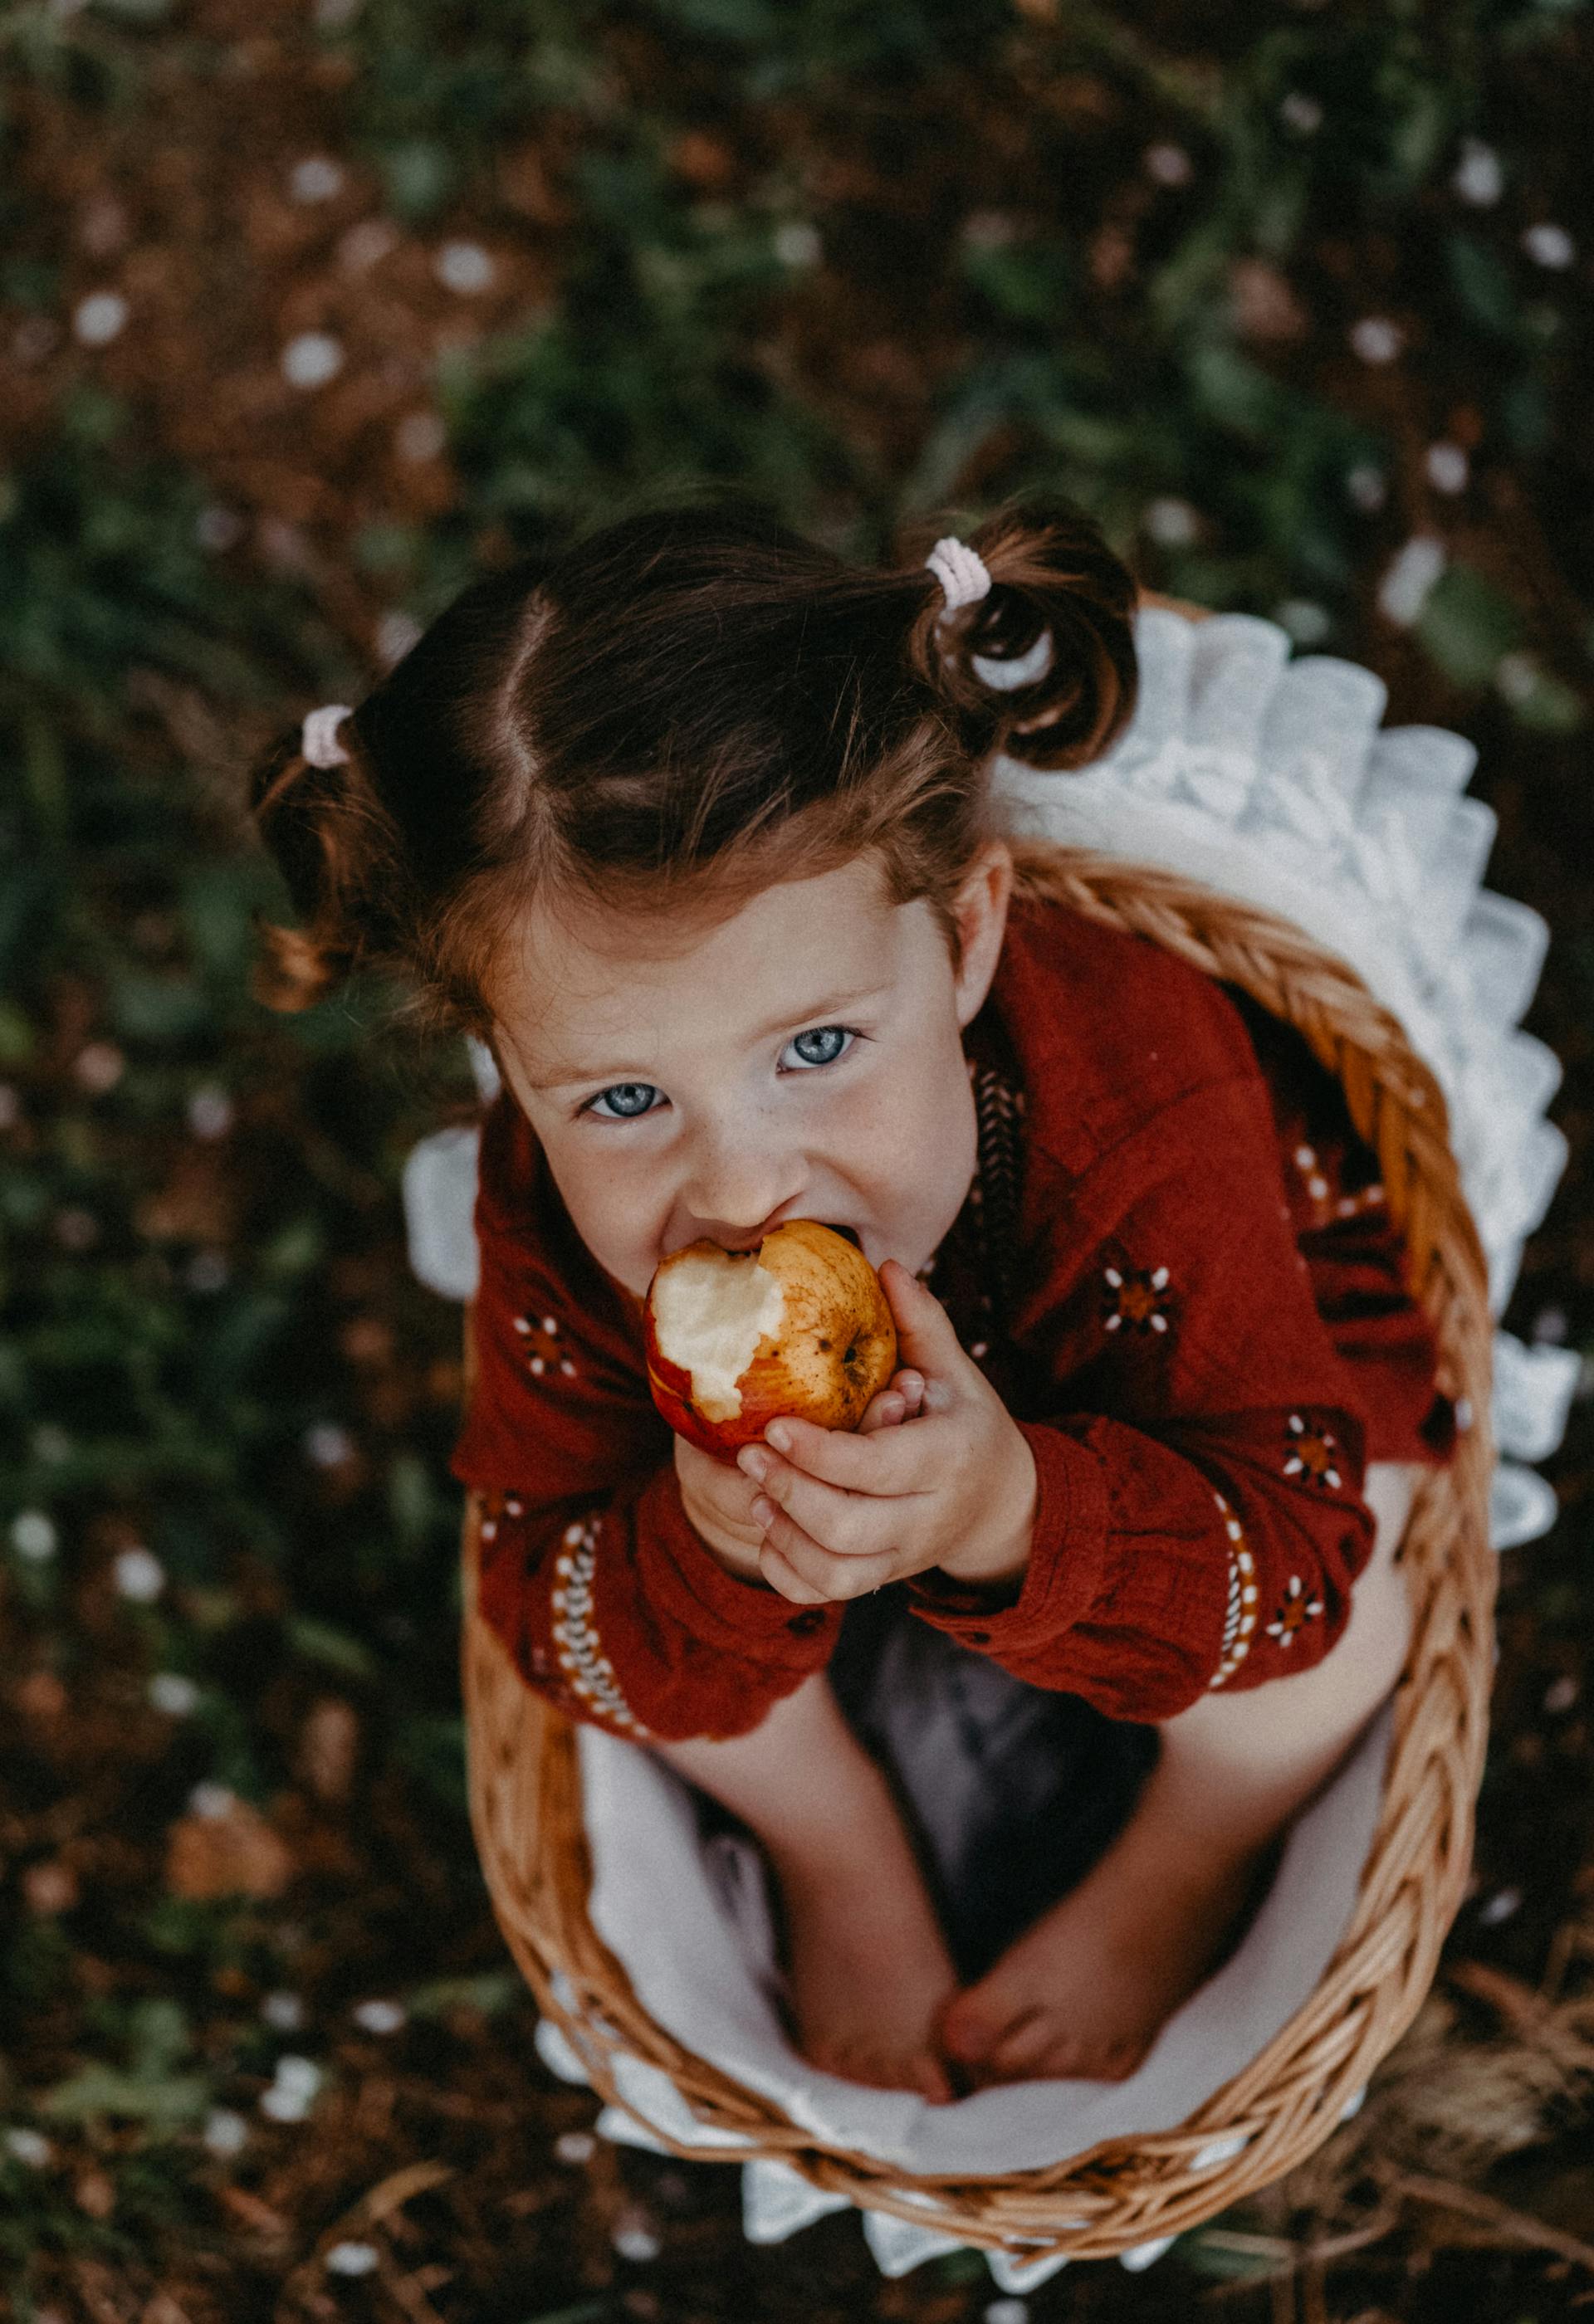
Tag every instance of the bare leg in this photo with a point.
(1084, 1991)
(868, 1969)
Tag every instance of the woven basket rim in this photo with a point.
(1121, 2192)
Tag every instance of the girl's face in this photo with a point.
(801, 1059)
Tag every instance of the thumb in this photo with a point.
(925, 1340)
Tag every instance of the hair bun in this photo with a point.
(1043, 667)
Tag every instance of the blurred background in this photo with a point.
(309, 311)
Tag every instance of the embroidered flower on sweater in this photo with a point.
(1312, 1454)
(1134, 1296)
(1296, 1611)
(543, 1352)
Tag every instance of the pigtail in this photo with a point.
(335, 847)
(1042, 668)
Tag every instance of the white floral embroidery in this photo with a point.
(580, 1652)
(1136, 1299)
(1239, 1620)
(543, 1352)
(1294, 1613)
(1313, 1456)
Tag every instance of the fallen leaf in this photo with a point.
(234, 1853)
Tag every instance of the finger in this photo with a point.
(829, 1577)
(886, 1460)
(886, 1410)
(784, 1578)
(848, 1524)
(925, 1340)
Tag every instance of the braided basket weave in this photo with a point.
(524, 1783)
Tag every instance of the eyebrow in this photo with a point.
(819, 1013)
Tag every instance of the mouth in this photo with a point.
(848, 1234)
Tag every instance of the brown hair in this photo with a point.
(683, 706)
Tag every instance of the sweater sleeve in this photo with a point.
(1200, 1450)
(608, 1599)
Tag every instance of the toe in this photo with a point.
(974, 2021)
(1028, 2038)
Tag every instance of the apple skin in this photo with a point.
(836, 1350)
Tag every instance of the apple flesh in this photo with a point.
(799, 1324)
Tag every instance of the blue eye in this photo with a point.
(629, 1100)
(822, 1045)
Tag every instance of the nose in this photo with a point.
(739, 1186)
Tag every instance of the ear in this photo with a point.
(979, 908)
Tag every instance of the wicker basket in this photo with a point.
(524, 1782)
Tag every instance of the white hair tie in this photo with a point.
(961, 572)
(319, 743)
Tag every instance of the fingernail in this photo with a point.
(778, 1434)
(764, 1510)
(753, 1460)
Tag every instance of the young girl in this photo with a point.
(691, 824)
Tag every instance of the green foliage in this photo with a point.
(199, 1199)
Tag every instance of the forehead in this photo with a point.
(580, 982)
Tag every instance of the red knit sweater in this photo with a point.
(1207, 1337)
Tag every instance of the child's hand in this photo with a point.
(719, 1504)
(954, 1487)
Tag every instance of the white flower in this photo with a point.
(171, 1693)
(1302, 112)
(283, 2012)
(311, 359)
(315, 180)
(140, 1575)
(292, 2091)
(353, 2259)
(797, 243)
(1368, 486)
(218, 528)
(210, 1111)
(328, 1445)
(224, 2132)
(419, 436)
(1517, 676)
(98, 320)
(29, 2147)
(464, 266)
(33, 1536)
(1168, 165)
(1479, 177)
(1500, 1907)
(1007, 2311)
(380, 2016)
(1307, 623)
(99, 1066)
(1376, 340)
(634, 2238)
(1550, 246)
(575, 2146)
(1171, 523)
(1409, 577)
(212, 1801)
(1447, 466)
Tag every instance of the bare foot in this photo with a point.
(867, 1967)
(1083, 1994)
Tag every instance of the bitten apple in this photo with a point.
(799, 1324)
